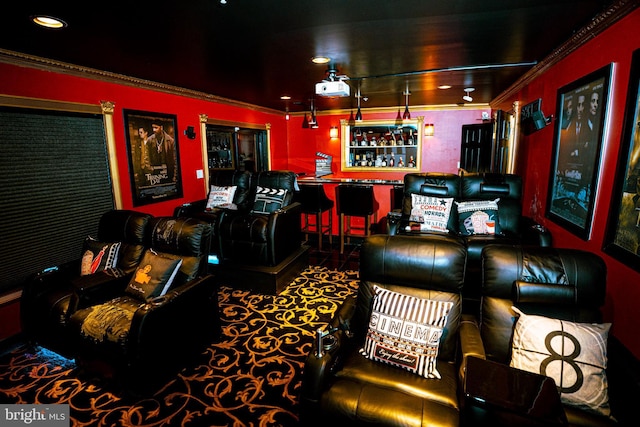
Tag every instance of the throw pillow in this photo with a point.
(268, 200)
(431, 212)
(405, 331)
(573, 354)
(98, 256)
(478, 217)
(220, 196)
(154, 276)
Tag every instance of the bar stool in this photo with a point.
(358, 201)
(314, 201)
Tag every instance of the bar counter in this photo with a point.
(324, 180)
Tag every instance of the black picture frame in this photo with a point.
(154, 157)
(577, 146)
(622, 236)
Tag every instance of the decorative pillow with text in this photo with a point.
(220, 196)
(404, 331)
(573, 354)
(154, 276)
(431, 212)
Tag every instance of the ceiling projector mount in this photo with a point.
(467, 97)
(334, 85)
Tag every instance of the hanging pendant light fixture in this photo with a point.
(313, 121)
(305, 121)
(359, 112)
(407, 114)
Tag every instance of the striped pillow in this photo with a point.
(405, 331)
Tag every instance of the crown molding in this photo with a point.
(39, 63)
(597, 25)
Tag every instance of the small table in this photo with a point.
(499, 395)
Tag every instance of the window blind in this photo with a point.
(54, 186)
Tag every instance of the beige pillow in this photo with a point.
(405, 331)
(220, 196)
(573, 354)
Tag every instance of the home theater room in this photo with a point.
(301, 213)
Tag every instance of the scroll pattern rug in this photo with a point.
(250, 377)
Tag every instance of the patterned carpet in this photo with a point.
(251, 377)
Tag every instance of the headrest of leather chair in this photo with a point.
(494, 188)
(120, 225)
(543, 293)
(180, 236)
(434, 190)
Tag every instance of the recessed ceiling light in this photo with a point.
(285, 97)
(320, 59)
(48, 21)
(444, 87)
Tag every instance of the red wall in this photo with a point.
(28, 82)
(615, 46)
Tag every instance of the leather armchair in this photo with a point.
(341, 386)
(51, 296)
(567, 284)
(263, 237)
(142, 341)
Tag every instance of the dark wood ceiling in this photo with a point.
(254, 51)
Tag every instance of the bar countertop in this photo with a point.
(326, 180)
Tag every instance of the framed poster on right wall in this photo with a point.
(579, 128)
(622, 239)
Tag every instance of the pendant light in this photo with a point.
(305, 121)
(359, 112)
(407, 114)
(313, 121)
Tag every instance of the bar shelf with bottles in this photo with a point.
(382, 145)
(220, 148)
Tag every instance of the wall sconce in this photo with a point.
(333, 132)
(429, 129)
(190, 132)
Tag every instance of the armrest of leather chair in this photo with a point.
(190, 209)
(534, 233)
(321, 364)
(96, 288)
(169, 326)
(470, 343)
(284, 229)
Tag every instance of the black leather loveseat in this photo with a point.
(480, 191)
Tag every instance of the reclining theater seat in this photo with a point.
(51, 296)
(240, 185)
(166, 314)
(411, 281)
(566, 284)
(270, 231)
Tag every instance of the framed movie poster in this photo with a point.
(154, 163)
(622, 239)
(579, 127)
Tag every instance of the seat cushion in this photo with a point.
(365, 390)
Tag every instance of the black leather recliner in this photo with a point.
(567, 284)
(244, 181)
(341, 386)
(142, 341)
(267, 236)
(50, 297)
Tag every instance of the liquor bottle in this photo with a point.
(400, 139)
(384, 161)
(392, 160)
(412, 163)
(400, 162)
(410, 142)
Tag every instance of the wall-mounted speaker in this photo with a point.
(535, 122)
